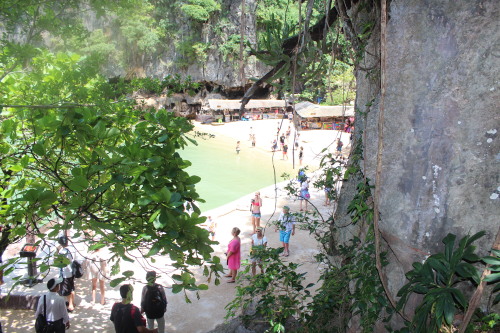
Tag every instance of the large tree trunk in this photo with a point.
(440, 161)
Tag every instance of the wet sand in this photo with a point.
(204, 314)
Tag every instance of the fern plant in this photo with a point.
(437, 279)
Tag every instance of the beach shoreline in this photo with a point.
(209, 309)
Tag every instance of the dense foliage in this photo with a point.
(76, 152)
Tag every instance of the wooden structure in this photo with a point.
(228, 109)
(314, 116)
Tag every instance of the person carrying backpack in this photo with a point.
(125, 316)
(154, 302)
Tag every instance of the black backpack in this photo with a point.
(154, 304)
(77, 269)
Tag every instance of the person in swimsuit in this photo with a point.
(238, 147)
(255, 209)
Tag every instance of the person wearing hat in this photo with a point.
(286, 225)
(259, 243)
(55, 308)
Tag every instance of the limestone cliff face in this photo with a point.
(213, 66)
(440, 161)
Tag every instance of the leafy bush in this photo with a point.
(279, 293)
(200, 10)
(436, 280)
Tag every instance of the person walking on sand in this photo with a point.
(233, 255)
(304, 192)
(238, 148)
(67, 288)
(259, 243)
(212, 226)
(301, 155)
(282, 140)
(154, 302)
(96, 268)
(274, 146)
(285, 152)
(253, 141)
(250, 134)
(286, 226)
(53, 307)
(255, 209)
(127, 317)
(327, 195)
(340, 144)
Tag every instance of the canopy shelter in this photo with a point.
(314, 116)
(235, 104)
(254, 109)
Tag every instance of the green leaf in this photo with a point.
(491, 260)
(459, 297)
(128, 274)
(449, 242)
(39, 149)
(475, 237)
(449, 310)
(494, 277)
(203, 287)
(176, 288)
(78, 183)
(155, 249)
(115, 282)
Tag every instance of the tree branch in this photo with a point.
(289, 45)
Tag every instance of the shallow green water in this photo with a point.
(226, 176)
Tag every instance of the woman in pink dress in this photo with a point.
(233, 255)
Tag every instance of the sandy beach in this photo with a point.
(204, 314)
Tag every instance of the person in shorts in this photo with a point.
(286, 226)
(259, 243)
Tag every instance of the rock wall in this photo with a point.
(441, 160)
(216, 69)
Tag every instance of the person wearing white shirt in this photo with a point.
(55, 308)
(67, 288)
(259, 243)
